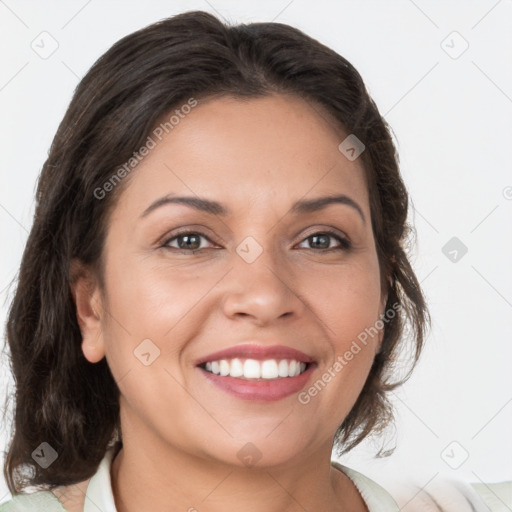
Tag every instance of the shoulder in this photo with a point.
(72, 497)
(41, 501)
(69, 498)
(454, 496)
(498, 496)
(377, 499)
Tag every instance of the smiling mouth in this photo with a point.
(252, 369)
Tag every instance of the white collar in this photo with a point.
(99, 494)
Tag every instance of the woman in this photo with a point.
(215, 286)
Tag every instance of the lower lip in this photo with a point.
(264, 390)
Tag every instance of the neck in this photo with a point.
(181, 482)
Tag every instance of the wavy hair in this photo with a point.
(60, 397)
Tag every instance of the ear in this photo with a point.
(88, 305)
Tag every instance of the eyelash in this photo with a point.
(345, 245)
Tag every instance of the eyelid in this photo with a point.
(199, 229)
(325, 229)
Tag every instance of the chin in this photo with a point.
(263, 450)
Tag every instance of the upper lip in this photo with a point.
(258, 352)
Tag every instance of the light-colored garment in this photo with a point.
(377, 499)
(99, 495)
(453, 496)
(477, 497)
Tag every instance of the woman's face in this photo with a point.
(244, 267)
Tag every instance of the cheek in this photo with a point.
(152, 302)
(148, 300)
(347, 299)
(145, 311)
(348, 302)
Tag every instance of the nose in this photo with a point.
(262, 291)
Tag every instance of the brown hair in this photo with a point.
(63, 399)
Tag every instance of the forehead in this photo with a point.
(248, 151)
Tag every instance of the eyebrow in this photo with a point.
(213, 207)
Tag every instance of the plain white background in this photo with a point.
(441, 74)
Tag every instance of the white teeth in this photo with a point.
(283, 368)
(237, 368)
(269, 369)
(224, 368)
(254, 369)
